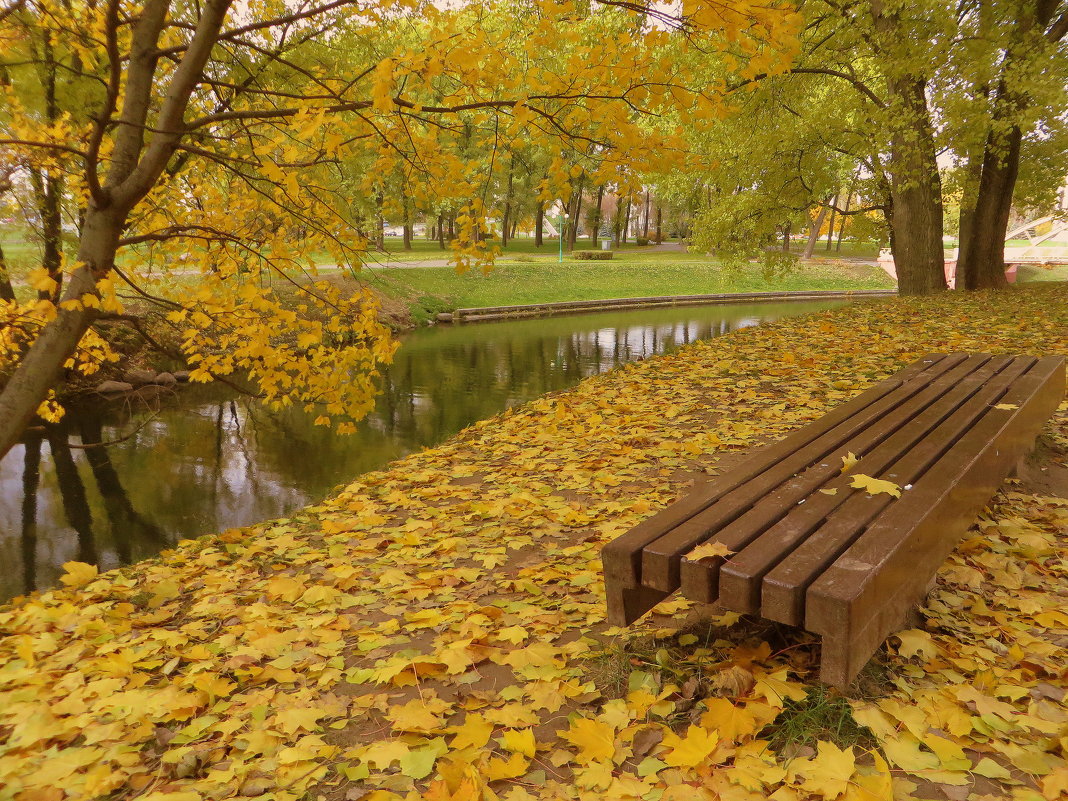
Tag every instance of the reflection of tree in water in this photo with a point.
(126, 523)
(31, 477)
(126, 526)
(419, 397)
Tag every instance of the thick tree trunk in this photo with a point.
(539, 224)
(916, 192)
(983, 266)
(441, 231)
(973, 173)
(645, 227)
(659, 224)
(786, 238)
(42, 365)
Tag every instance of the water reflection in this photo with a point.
(202, 461)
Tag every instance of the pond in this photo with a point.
(205, 460)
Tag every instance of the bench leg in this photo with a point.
(627, 604)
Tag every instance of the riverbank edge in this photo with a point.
(487, 313)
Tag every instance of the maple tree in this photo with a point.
(211, 139)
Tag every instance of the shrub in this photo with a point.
(589, 255)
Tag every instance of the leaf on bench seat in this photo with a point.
(708, 549)
(875, 485)
(849, 460)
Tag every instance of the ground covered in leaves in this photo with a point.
(437, 630)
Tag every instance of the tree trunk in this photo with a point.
(645, 228)
(814, 232)
(916, 191)
(786, 238)
(7, 292)
(441, 231)
(507, 206)
(973, 173)
(626, 220)
(452, 226)
(659, 224)
(984, 255)
(842, 224)
(539, 224)
(576, 213)
(596, 232)
(407, 222)
(41, 367)
(830, 224)
(380, 223)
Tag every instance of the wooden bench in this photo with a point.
(807, 549)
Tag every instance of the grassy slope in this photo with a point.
(545, 282)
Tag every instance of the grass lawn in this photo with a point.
(547, 282)
(1027, 273)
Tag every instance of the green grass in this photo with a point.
(429, 249)
(1027, 273)
(21, 251)
(547, 282)
(820, 715)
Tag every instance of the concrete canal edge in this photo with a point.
(611, 304)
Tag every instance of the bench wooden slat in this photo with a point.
(859, 600)
(627, 599)
(740, 578)
(782, 589)
(767, 530)
(661, 558)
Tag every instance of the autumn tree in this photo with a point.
(210, 136)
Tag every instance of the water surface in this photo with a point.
(203, 460)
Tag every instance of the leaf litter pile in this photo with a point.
(436, 631)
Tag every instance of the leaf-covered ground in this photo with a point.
(437, 630)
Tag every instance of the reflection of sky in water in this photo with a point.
(206, 463)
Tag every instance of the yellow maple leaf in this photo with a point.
(916, 641)
(732, 723)
(295, 718)
(709, 549)
(520, 741)
(848, 461)
(1006, 407)
(515, 765)
(875, 485)
(691, 750)
(474, 733)
(78, 574)
(414, 716)
(829, 772)
(596, 740)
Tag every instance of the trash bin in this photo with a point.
(606, 244)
